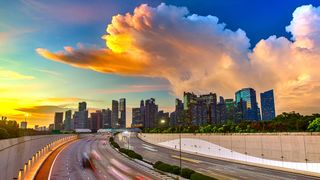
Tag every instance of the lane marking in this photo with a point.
(51, 168)
(186, 159)
(150, 149)
(147, 145)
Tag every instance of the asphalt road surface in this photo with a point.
(107, 163)
(213, 167)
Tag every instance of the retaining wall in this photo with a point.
(15, 152)
(299, 151)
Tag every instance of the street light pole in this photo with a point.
(180, 146)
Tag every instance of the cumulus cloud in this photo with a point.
(198, 53)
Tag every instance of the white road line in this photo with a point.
(55, 161)
(150, 149)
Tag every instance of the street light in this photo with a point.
(128, 138)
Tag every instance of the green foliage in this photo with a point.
(113, 143)
(131, 153)
(285, 122)
(10, 129)
(314, 126)
(198, 176)
(186, 172)
(167, 167)
(3, 133)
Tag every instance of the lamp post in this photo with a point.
(127, 133)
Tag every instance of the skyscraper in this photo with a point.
(67, 120)
(106, 118)
(122, 109)
(202, 109)
(267, 105)
(248, 95)
(162, 119)
(221, 111)
(82, 106)
(178, 113)
(58, 118)
(136, 118)
(230, 110)
(142, 112)
(80, 118)
(115, 114)
(151, 110)
(96, 121)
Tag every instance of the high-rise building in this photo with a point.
(210, 101)
(58, 121)
(267, 105)
(96, 122)
(162, 119)
(115, 114)
(151, 110)
(230, 110)
(202, 109)
(106, 118)
(249, 96)
(82, 106)
(173, 119)
(142, 112)
(67, 120)
(221, 111)
(23, 124)
(122, 109)
(136, 118)
(80, 118)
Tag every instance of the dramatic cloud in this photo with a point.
(133, 89)
(197, 53)
(42, 109)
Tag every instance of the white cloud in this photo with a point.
(197, 53)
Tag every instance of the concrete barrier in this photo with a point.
(17, 155)
(298, 151)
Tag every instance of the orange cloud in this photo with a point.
(134, 89)
(197, 53)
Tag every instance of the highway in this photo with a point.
(213, 167)
(108, 163)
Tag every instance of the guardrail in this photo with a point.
(34, 163)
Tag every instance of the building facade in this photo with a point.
(248, 95)
(115, 114)
(67, 120)
(267, 105)
(150, 114)
(136, 118)
(122, 110)
(106, 118)
(58, 121)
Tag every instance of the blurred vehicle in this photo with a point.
(86, 161)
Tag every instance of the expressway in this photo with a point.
(107, 163)
(213, 167)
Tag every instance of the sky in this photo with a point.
(54, 54)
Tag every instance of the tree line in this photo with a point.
(285, 122)
(10, 129)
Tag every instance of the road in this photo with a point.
(213, 167)
(108, 163)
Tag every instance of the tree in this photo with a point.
(3, 133)
(314, 126)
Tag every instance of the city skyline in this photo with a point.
(51, 69)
